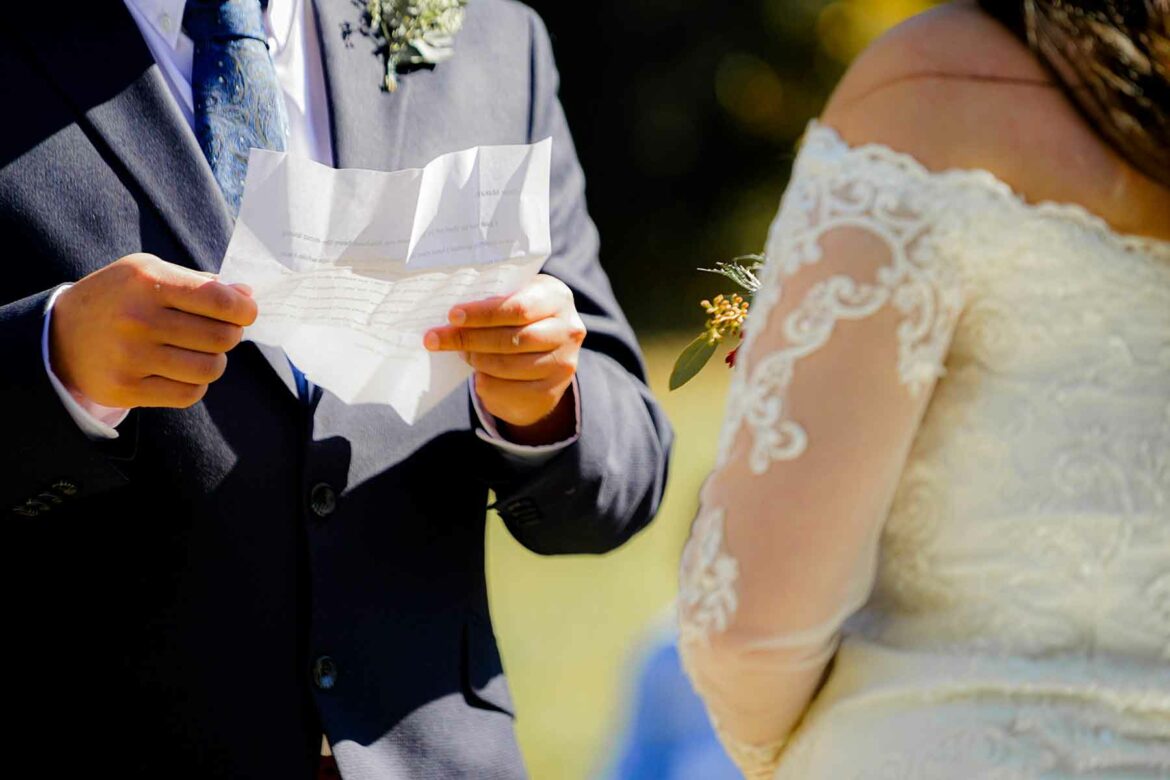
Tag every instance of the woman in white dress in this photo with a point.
(937, 540)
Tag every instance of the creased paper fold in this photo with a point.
(351, 267)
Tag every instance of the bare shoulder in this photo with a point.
(956, 40)
(947, 83)
(956, 89)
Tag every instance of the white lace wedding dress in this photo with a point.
(944, 478)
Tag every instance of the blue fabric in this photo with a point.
(238, 103)
(669, 736)
(304, 389)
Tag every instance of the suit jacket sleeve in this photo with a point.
(47, 458)
(599, 491)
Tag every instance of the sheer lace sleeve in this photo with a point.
(844, 343)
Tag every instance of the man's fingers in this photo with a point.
(528, 367)
(543, 336)
(544, 297)
(185, 366)
(192, 331)
(196, 294)
(160, 391)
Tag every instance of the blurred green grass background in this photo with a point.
(570, 627)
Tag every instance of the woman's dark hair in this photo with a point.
(1113, 59)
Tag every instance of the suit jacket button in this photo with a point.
(325, 673)
(523, 511)
(323, 500)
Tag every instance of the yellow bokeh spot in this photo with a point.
(846, 27)
(750, 91)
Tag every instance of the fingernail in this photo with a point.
(431, 340)
(244, 288)
(457, 316)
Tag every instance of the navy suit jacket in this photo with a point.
(187, 601)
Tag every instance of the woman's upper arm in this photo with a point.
(845, 341)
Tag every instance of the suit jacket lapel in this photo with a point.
(367, 124)
(106, 70)
(124, 99)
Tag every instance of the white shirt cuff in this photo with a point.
(94, 420)
(527, 453)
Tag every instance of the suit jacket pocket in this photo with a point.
(483, 680)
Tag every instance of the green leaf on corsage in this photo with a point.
(691, 361)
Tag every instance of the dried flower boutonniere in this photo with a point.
(725, 316)
(412, 33)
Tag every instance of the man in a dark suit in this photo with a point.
(208, 561)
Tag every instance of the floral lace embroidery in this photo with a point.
(916, 282)
(1042, 731)
(706, 594)
(1031, 520)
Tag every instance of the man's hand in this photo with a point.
(524, 349)
(144, 332)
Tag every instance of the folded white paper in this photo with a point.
(350, 267)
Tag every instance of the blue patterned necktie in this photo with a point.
(238, 102)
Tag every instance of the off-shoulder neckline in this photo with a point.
(1062, 210)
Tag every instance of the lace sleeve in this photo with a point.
(845, 341)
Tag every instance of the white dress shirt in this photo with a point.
(296, 52)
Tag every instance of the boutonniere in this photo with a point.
(412, 33)
(725, 317)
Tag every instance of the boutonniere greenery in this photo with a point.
(412, 33)
(725, 316)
